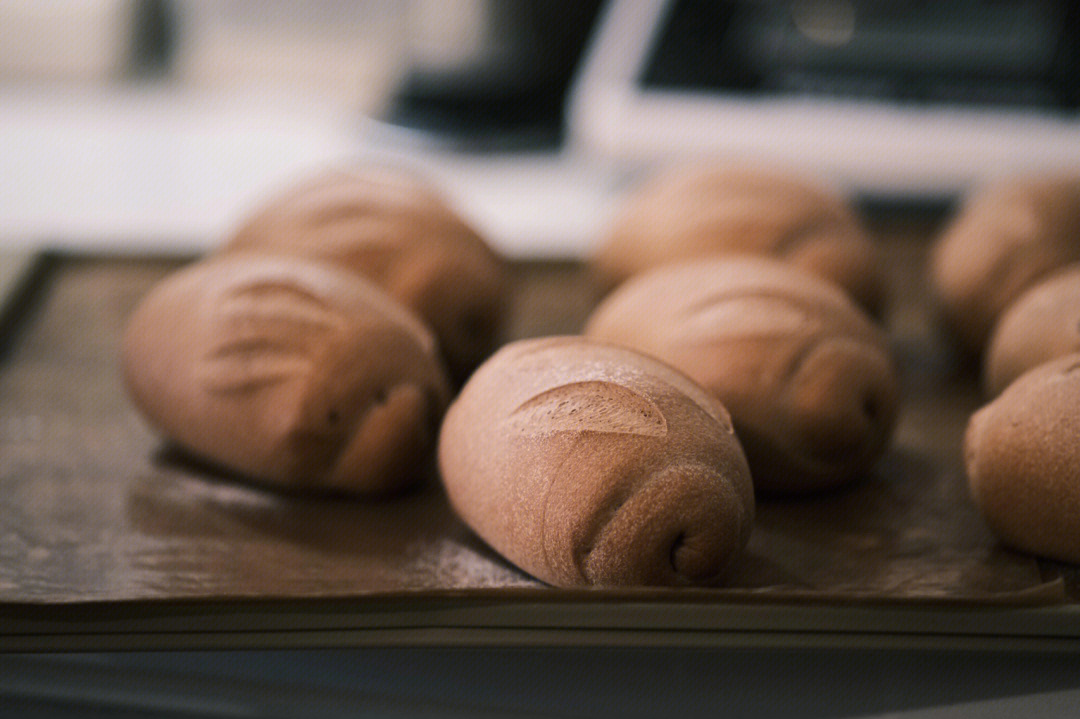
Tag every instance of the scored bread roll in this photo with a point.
(1005, 238)
(808, 378)
(396, 230)
(1042, 324)
(287, 372)
(1022, 452)
(703, 210)
(587, 464)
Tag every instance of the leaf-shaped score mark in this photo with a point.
(249, 365)
(265, 333)
(732, 317)
(282, 302)
(592, 406)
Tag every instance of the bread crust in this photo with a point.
(1022, 454)
(703, 210)
(807, 376)
(587, 464)
(289, 373)
(1005, 238)
(396, 230)
(1042, 324)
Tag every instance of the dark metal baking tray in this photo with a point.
(108, 539)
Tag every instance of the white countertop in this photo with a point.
(153, 169)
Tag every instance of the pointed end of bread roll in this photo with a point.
(684, 526)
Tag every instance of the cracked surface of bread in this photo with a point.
(588, 464)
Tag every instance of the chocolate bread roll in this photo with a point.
(397, 231)
(287, 372)
(1042, 324)
(701, 211)
(587, 464)
(808, 378)
(1022, 452)
(1005, 238)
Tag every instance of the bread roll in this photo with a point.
(395, 230)
(587, 464)
(1022, 453)
(807, 377)
(1042, 324)
(1005, 238)
(701, 211)
(287, 372)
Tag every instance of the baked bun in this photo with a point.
(287, 372)
(587, 464)
(1022, 453)
(395, 230)
(808, 378)
(1042, 324)
(1004, 239)
(705, 210)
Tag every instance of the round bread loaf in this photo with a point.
(1004, 239)
(586, 464)
(1042, 324)
(287, 372)
(808, 378)
(395, 230)
(701, 211)
(1022, 453)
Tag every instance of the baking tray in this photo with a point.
(109, 539)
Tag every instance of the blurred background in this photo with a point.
(153, 125)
